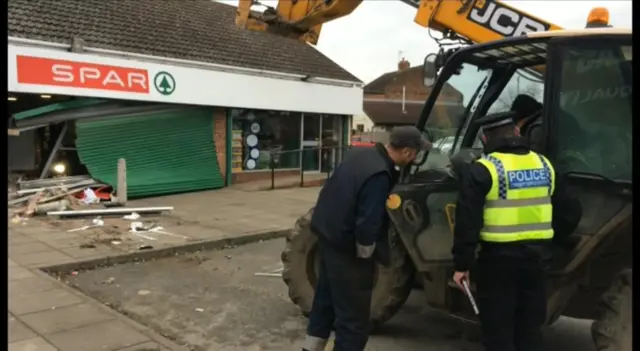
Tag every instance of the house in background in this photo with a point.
(396, 98)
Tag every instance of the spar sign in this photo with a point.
(84, 75)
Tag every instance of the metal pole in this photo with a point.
(301, 167)
(273, 172)
(122, 181)
(54, 151)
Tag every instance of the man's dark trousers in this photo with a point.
(512, 302)
(342, 299)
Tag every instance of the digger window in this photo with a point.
(454, 101)
(593, 110)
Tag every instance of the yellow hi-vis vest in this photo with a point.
(518, 205)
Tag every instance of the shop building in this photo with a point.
(189, 100)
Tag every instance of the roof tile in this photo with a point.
(390, 113)
(197, 30)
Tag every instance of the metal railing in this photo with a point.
(329, 158)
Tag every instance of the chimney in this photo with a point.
(403, 64)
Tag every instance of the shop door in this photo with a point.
(331, 142)
(311, 143)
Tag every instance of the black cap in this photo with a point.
(496, 120)
(409, 137)
(524, 106)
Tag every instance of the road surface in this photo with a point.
(213, 301)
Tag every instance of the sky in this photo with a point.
(370, 41)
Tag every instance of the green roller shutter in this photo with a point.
(166, 152)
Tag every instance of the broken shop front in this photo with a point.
(167, 148)
(179, 127)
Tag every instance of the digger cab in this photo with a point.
(581, 83)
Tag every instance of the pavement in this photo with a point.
(46, 315)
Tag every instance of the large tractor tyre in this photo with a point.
(611, 331)
(300, 259)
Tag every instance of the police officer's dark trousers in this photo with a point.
(512, 302)
(342, 298)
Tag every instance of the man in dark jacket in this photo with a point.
(528, 119)
(350, 221)
(503, 205)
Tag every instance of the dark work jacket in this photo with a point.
(351, 204)
(532, 130)
(475, 184)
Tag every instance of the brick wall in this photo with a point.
(244, 177)
(411, 79)
(220, 138)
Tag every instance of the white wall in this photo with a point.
(362, 119)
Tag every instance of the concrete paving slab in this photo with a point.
(111, 335)
(20, 239)
(18, 272)
(147, 346)
(30, 247)
(34, 344)
(47, 235)
(30, 286)
(65, 318)
(66, 243)
(88, 252)
(65, 315)
(48, 258)
(41, 301)
(18, 331)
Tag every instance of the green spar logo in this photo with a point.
(164, 83)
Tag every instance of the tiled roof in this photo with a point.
(378, 85)
(197, 30)
(389, 112)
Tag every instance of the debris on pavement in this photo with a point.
(199, 309)
(89, 197)
(97, 222)
(39, 197)
(52, 206)
(145, 247)
(110, 211)
(133, 216)
(144, 292)
(74, 273)
(274, 273)
(111, 280)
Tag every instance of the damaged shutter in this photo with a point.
(166, 152)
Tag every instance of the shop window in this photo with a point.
(260, 135)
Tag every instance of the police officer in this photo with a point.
(505, 204)
(350, 221)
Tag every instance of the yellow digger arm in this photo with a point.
(477, 21)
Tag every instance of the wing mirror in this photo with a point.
(430, 70)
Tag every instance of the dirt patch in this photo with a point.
(209, 301)
(212, 300)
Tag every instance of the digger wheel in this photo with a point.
(611, 331)
(300, 259)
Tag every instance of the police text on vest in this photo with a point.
(528, 178)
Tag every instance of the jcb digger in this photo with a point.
(583, 80)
